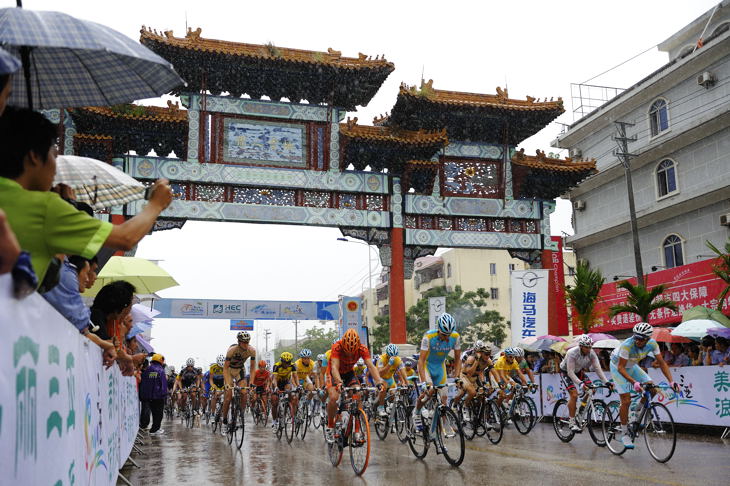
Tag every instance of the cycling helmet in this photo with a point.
(510, 352)
(391, 350)
(350, 341)
(519, 352)
(221, 360)
(305, 353)
(286, 356)
(408, 362)
(446, 323)
(361, 362)
(480, 345)
(243, 336)
(643, 330)
(585, 340)
(171, 369)
(190, 362)
(320, 357)
(263, 364)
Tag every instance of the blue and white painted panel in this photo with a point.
(468, 206)
(263, 108)
(472, 239)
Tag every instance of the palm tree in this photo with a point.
(583, 296)
(722, 270)
(641, 301)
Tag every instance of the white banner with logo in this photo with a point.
(64, 419)
(704, 396)
(436, 307)
(529, 303)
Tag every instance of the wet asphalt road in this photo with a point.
(197, 457)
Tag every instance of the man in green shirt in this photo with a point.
(43, 223)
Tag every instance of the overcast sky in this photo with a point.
(534, 48)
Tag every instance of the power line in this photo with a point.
(620, 64)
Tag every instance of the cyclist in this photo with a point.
(473, 373)
(233, 371)
(577, 361)
(524, 365)
(305, 372)
(216, 382)
(187, 378)
(202, 391)
(628, 375)
(505, 368)
(360, 371)
(260, 380)
(435, 347)
(282, 379)
(345, 354)
(392, 372)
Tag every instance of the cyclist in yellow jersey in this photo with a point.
(305, 371)
(505, 366)
(217, 382)
(283, 378)
(391, 370)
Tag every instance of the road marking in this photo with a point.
(573, 465)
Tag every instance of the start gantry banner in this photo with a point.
(64, 419)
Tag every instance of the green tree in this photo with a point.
(317, 339)
(583, 296)
(722, 270)
(380, 334)
(641, 301)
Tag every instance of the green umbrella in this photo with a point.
(701, 312)
(146, 276)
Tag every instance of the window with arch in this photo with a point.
(720, 29)
(448, 270)
(666, 177)
(673, 255)
(658, 117)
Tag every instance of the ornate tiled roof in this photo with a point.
(389, 134)
(542, 161)
(172, 113)
(267, 70)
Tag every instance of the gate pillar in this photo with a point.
(396, 286)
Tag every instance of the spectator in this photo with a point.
(707, 345)
(694, 355)
(604, 357)
(666, 354)
(43, 223)
(152, 393)
(719, 355)
(679, 357)
(9, 247)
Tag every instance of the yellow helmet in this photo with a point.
(158, 357)
(286, 356)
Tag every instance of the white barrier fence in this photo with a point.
(64, 419)
(704, 396)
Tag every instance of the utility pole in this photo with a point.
(623, 154)
(266, 338)
(296, 336)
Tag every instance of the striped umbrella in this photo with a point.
(97, 183)
(70, 62)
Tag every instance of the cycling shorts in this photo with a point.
(389, 382)
(260, 389)
(622, 384)
(568, 383)
(348, 379)
(436, 373)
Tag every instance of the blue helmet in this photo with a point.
(391, 350)
(510, 352)
(446, 323)
(305, 353)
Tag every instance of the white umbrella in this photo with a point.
(607, 344)
(142, 313)
(695, 328)
(97, 183)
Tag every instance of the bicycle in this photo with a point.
(519, 411)
(285, 425)
(484, 417)
(303, 417)
(317, 412)
(260, 409)
(397, 415)
(440, 424)
(588, 414)
(216, 414)
(352, 430)
(236, 423)
(652, 419)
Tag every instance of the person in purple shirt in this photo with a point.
(719, 355)
(152, 393)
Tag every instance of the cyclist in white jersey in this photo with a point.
(628, 375)
(577, 361)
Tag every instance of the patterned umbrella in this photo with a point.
(97, 183)
(70, 62)
(551, 337)
(8, 63)
(664, 335)
(607, 344)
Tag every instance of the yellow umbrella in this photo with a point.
(147, 277)
(561, 347)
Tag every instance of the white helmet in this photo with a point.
(585, 340)
(190, 362)
(480, 345)
(643, 329)
(361, 362)
(221, 360)
(519, 352)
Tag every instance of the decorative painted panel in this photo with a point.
(211, 193)
(472, 178)
(175, 169)
(467, 239)
(263, 143)
(317, 199)
(547, 209)
(472, 206)
(375, 202)
(397, 203)
(473, 150)
(220, 211)
(269, 109)
(271, 197)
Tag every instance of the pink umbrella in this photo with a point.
(599, 336)
(551, 337)
(529, 340)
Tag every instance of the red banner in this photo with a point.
(557, 310)
(689, 285)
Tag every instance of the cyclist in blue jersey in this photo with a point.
(435, 347)
(628, 375)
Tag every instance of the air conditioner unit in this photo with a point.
(706, 79)
(579, 205)
(576, 153)
(725, 219)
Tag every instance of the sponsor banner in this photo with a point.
(704, 396)
(241, 324)
(558, 311)
(529, 303)
(351, 317)
(689, 285)
(64, 419)
(436, 307)
(247, 309)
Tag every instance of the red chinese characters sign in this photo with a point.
(689, 285)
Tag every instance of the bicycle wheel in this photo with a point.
(288, 423)
(240, 429)
(659, 433)
(382, 425)
(468, 426)
(401, 422)
(256, 410)
(522, 416)
(533, 407)
(491, 420)
(450, 436)
(232, 422)
(561, 420)
(611, 427)
(418, 440)
(316, 417)
(305, 420)
(594, 421)
(359, 442)
(334, 449)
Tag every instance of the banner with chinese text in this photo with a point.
(64, 419)
(529, 303)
